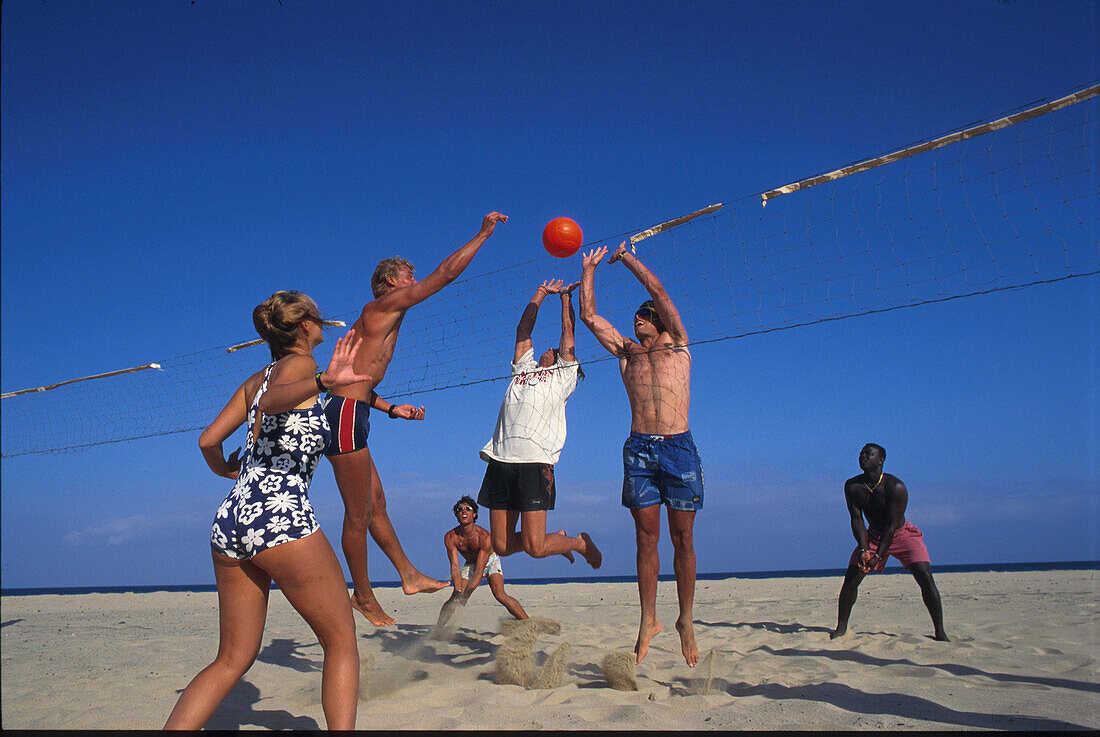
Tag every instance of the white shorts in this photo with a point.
(491, 566)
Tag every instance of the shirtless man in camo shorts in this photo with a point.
(660, 462)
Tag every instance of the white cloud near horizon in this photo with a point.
(124, 530)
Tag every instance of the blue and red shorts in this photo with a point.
(350, 422)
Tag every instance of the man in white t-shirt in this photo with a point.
(529, 435)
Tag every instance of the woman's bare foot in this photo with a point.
(687, 642)
(592, 554)
(645, 633)
(418, 583)
(369, 607)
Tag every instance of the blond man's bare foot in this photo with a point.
(645, 633)
(592, 554)
(369, 607)
(838, 632)
(418, 583)
(687, 642)
(568, 554)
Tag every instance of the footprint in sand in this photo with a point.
(366, 664)
(1046, 650)
(912, 671)
(1066, 663)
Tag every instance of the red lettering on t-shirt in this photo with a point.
(528, 378)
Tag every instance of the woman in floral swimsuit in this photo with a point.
(265, 529)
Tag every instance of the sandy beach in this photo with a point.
(1023, 657)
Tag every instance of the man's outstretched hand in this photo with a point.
(618, 255)
(490, 222)
(408, 412)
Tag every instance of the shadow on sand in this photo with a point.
(895, 704)
(239, 711)
(952, 668)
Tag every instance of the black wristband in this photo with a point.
(390, 412)
(317, 377)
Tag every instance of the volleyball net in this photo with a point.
(1006, 204)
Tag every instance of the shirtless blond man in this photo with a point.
(395, 291)
(660, 462)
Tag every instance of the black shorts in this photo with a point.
(520, 487)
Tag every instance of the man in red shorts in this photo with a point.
(882, 498)
(396, 291)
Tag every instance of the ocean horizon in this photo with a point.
(802, 573)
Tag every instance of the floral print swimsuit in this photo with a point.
(269, 505)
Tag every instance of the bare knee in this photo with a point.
(535, 547)
(928, 587)
(343, 644)
(236, 662)
(358, 520)
(336, 637)
(682, 540)
(500, 542)
(378, 496)
(647, 540)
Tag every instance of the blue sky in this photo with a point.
(168, 165)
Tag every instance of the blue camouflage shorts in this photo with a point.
(662, 469)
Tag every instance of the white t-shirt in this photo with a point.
(531, 422)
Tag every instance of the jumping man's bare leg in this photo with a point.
(538, 543)
(556, 537)
(502, 529)
(647, 531)
(680, 527)
(381, 529)
(353, 477)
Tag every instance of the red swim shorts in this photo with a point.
(907, 546)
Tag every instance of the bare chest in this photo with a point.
(468, 546)
(664, 366)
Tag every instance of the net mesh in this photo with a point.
(1014, 207)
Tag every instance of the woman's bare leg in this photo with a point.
(309, 574)
(242, 608)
